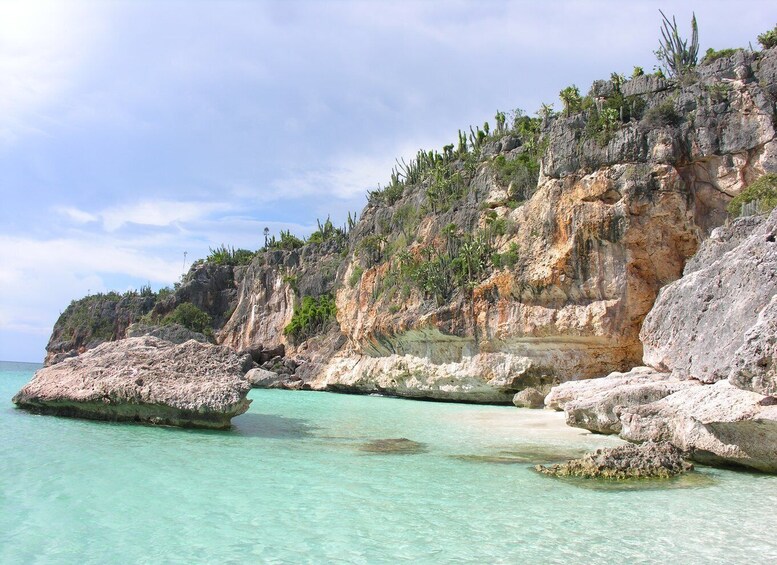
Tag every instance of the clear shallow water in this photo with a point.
(292, 484)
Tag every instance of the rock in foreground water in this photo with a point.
(144, 379)
(646, 461)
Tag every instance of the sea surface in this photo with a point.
(303, 478)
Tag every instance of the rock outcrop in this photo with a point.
(718, 324)
(596, 404)
(698, 323)
(716, 424)
(583, 252)
(527, 256)
(144, 379)
(649, 460)
(92, 320)
(174, 333)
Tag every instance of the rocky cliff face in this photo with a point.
(524, 257)
(711, 339)
(615, 215)
(90, 321)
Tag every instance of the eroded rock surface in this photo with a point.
(596, 404)
(712, 336)
(716, 424)
(144, 379)
(646, 461)
(699, 322)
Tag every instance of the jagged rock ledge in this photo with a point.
(647, 461)
(147, 380)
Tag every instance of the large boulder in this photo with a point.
(144, 379)
(717, 424)
(596, 405)
(755, 363)
(699, 322)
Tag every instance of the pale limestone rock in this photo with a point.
(144, 379)
(529, 398)
(717, 424)
(698, 323)
(262, 378)
(755, 363)
(596, 404)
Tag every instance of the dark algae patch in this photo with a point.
(393, 446)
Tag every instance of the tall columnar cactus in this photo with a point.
(675, 53)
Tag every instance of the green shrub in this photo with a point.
(664, 114)
(712, 55)
(637, 72)
(225, 255)
(288, 242)
(763, 191)
(768, 39)
(356, 276)
(312, 316)
(571, 99)
(189, 316)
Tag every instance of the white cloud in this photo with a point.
(78, 216)
(41, 47)
(159, 213)
(351, 175)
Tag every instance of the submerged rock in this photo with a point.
(399, 446)
(646, 461)
(144, 379)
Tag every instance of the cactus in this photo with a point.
(678, 57)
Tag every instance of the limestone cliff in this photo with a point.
(526, 255)
(572, 265)
(711, 339)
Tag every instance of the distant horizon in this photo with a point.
(134, 136)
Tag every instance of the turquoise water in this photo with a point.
(292, 483)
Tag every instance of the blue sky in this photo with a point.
(133, 132)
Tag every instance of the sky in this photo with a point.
(135, 136)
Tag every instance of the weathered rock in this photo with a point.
(572, 391)
(529, 398)
(716, 424)
(647, 461)
(596, 404)
(394, 446)
(699, 322)
(144, 379)
(174, 333)
(755, 363)
(210, 287)
(262, 378)
(92, 320)
(482, 378)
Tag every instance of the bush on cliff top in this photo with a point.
(768, 39)
(763, 191)
(225, 255)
